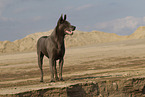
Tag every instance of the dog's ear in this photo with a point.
(64, 17)
(60, 19)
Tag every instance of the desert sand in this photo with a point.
(116, 59)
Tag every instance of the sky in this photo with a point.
(19, 18)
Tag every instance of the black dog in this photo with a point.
(53, 47)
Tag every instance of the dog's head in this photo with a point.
(64, 26)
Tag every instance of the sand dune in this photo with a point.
(80, 38)
(138, 34)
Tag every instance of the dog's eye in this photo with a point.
(66, 26)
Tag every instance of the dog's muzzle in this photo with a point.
(69, 32)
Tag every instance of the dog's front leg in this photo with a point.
(61, 61)
(55, 71)
(51, 63)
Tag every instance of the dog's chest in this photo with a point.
(60, 52)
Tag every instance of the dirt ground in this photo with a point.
(125, 59)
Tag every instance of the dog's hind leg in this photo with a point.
(61, 61)
(40, 63)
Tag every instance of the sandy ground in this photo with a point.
(126, 59)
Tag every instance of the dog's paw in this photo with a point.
(61, 79)
(52, 80)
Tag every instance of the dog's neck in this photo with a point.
(58, 38)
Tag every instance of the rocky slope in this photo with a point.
(109, 88)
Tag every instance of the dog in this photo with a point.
(53, 47)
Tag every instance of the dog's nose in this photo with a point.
(74, 28)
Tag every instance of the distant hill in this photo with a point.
(138, 34)
(79, 38)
